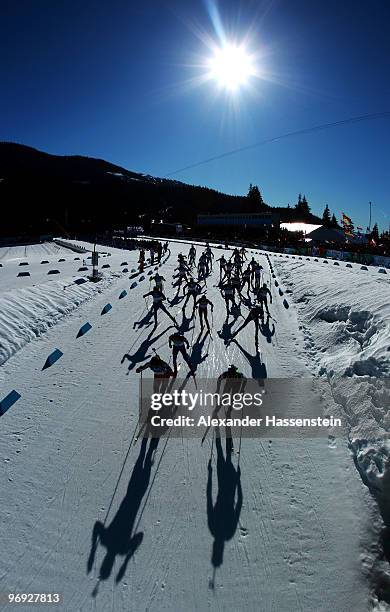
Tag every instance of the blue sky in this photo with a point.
(120, 80)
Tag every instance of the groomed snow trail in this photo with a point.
(68, 466)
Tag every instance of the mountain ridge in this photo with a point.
(80, 193)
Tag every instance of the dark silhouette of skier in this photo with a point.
(222, 266)
(178, 342)
(158, 298)
(227, 291)
(262, 294)
(256, 315)
(192, 256)
(192, 289)
(202, 306)
(159, 367)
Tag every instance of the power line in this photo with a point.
(316, 128)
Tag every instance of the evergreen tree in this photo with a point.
(326, 220)
(333, 222)
(302, 205)
(254, 196)
(305, 206)
(375, 233)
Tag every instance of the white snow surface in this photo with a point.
(345, 321)
(30, 305)
(306, 537)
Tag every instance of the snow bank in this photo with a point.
(28, 313)
(345, 319)
(32, 252)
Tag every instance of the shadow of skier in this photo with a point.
(223, 516)
(146, 321)
(196, 356)
(140, 354)
(226, 332)
(176, 299)
(258, 368)
(118, 537)
(266, 331)
(185, 324)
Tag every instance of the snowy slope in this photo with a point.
(345, 319)
(68, 466)
(30, 305)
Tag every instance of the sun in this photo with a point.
(231, 67)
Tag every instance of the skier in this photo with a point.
(262, 294)
(228, 271)
(193, 290)
(141, 260)
(253, 264)
(158, 279)
(182, 275)
(202, 305)
(255, 314)
(231, 373)
(227, 291)
(191, 256)
(159, 367)
(202, 268)
(246, 280)
(182, 260)
(236, 284)
(209, 257)
(222, 266)
(235, 383)
(161, 384)
(158, 298)
(237, 261)
(258, 271)
(243, 253)
(178, 342)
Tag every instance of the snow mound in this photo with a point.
(32, 252)
(345, 320)
(26, 314)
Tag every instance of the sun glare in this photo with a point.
(231, 67)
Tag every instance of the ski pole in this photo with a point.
(212, 447)
(239, 446)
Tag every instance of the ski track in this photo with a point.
(297, 544)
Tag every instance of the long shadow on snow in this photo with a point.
(226, 332)
(223, 516)
(266, 331)
(141, 353)
(196, 357)
(118, 537)
(185, 324)
(258, 368)
(176, 299)
(146, 321)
